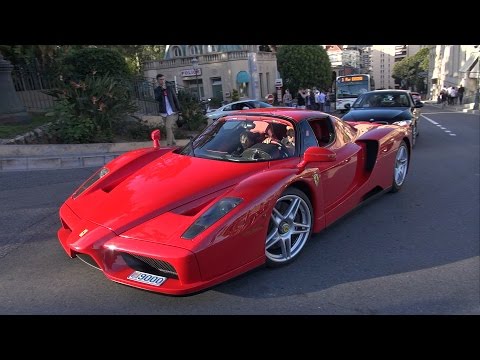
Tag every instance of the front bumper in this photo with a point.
(118, 257)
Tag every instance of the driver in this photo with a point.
(247, 139)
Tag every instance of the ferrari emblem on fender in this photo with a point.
(83, 232)
(315, 179)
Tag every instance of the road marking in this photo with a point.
(439, 125)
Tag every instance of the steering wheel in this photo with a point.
(256, 154)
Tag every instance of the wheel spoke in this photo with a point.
(276, 217)
(272, 239)
(300, 228)
(286, 245)
(292, 209)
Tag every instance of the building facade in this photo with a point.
(215, 71)
(454, 65)
(384, 57)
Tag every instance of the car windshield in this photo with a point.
(243, 140)
(383, 99)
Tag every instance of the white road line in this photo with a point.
(433, 122)
(439, 125)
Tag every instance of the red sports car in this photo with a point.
(249, 190)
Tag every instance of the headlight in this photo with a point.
(98, 175)
(212, 215)
(403, 123)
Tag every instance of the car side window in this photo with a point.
(307, 136)
(227, 108)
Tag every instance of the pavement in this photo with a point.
(68, 156)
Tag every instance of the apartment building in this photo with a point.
(384, 57)
(216, 70)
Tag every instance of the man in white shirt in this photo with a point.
(169, 106)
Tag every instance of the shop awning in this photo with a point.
(470, 63)
(243, 77)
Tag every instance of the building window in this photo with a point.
(177, 52)
(194, 50)
(212, 48)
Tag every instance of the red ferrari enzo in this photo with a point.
(249, 190)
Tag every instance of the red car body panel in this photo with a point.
(139, 212)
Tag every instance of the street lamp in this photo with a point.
(195, 67)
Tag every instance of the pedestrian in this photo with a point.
(327, 102)
(287, 98)
(169, 106)
(443, 97)
(460, 92)
(321, 100)
(302, 94)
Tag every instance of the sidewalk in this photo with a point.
(466, 108)
(65, 156)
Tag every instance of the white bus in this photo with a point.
(348, 87)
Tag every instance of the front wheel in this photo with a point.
(289, 228)
(400, 167)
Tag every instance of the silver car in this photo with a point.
(235, 106)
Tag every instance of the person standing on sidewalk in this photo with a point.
(169, 106)
(460, 92)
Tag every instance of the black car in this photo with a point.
(387, 106)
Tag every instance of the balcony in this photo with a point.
(206, 59)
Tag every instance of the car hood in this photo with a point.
(378, 114)
(164, 184)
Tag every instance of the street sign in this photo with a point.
(270, 99)
(278, 83)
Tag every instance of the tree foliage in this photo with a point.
(304, 66)
(409, 70)
(135, 55)
(43, 56)
(79, 64)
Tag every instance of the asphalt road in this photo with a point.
(414, 252)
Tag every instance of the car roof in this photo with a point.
(388, 91)
(244, 100)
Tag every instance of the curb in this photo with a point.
(66, 156)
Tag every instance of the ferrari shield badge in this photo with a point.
(315, 179)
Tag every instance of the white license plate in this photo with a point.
(146, 278)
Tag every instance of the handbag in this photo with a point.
(180, 121)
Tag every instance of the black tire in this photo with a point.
(400, 167)
(289, 229)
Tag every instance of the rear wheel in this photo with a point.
(400, 167)
(289, 228)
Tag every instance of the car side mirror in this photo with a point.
(418, 104)
(348, 106)
(316, 154)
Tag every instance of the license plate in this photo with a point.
(146, 278)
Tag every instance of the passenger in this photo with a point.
(289, 140)
(270, 135)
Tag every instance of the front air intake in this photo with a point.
(150, 265)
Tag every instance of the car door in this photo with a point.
(337, 178)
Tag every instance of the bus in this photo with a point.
(348, 87)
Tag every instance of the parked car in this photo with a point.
(235, 106)
(249, 190)
(389, 107)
